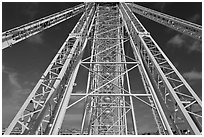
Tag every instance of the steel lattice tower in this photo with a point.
(107, 28)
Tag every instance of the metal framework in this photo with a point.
(175, 92)
(108, 97)
(185, 27)
(20, 33)
(40, 111)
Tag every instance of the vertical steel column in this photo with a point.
(89, 74)
(146, 78)
(188, 28)
(107, 117)
(59, 119)
(129, 89)
(170, 83)
(38, 110)
(25, 31)
(122, 44)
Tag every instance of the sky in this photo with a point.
(24, 63)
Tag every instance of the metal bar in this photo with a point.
(20, 33)
(88, 81)
(156, 101)
(129, 89)
(40, 83)
(179, 75)
(101, 38)
(191, 29)
(190, 104)
(108, 31)
(115, 18)
(175, 97)
(124, 110)
(143, 38)
(100, 87)
(101, 51)
(61, 112)
(105, 78)
(109, 62)
(119, 119)
(84, 94)
(178, 86)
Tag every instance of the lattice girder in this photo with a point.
(108, 99)
(167, 78)
(37, 113)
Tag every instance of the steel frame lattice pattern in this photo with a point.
(178, 96)
(39, 112)
(185, 27)
(109, 105)
(20, 33)
(108, 112)
(108, 96)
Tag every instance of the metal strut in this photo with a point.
(174, 104)
(188, 28)
(107, 113)
(20, 33)
(40, 112)
(179, 98)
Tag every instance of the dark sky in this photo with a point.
(24, 63)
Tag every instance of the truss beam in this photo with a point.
(191, 29)
(25, 31)
(108, 99)
(51, 88)
(144, 42)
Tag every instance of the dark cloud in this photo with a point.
(193, 75)
(29, 83)
(36, 39)
(12, 77)
(183, 41)
(19, 87)
(194, 18)
(13, 84)
(11, 81)
(161, 6)
(31, 9)
(13, 92)
(176, 40)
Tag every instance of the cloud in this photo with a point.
(161, 6)
(14, 93)
(14, 80)
(12, 76)
(31, 9)
(29, 83)
(12, 84)
(12, 103)
(194, 18)
(36, 39)
(9, 109)
(3, 67)
(177, 40)
(196, 46)
(183, 41)
(193, 75)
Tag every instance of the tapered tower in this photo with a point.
(119, 49)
